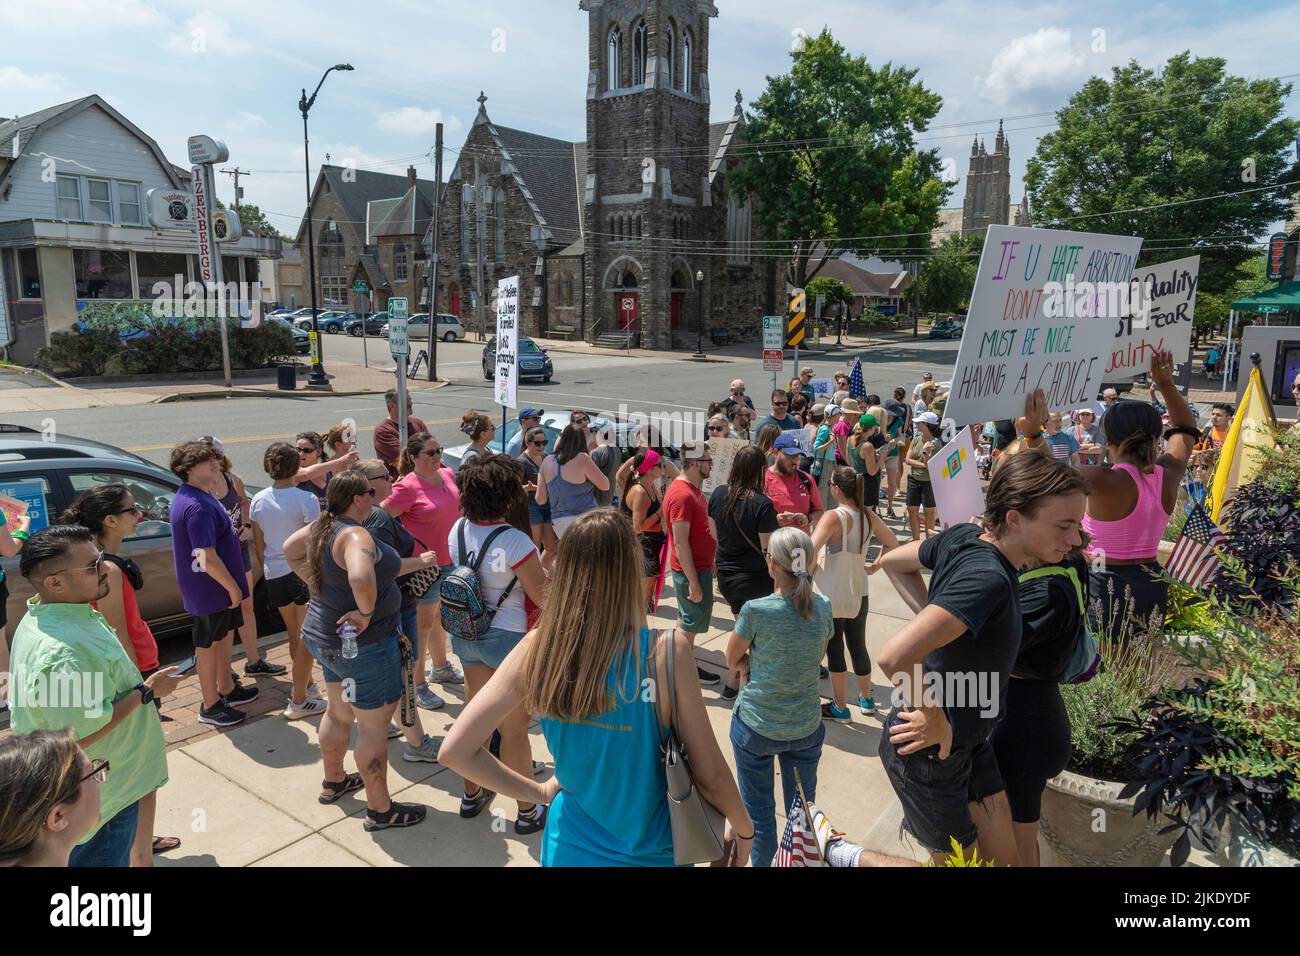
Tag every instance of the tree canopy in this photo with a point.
(830, 153)
(1140, 153)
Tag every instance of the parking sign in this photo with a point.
(399, 345)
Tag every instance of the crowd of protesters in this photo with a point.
(565, 543)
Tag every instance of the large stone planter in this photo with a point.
(1074, 833)
(1238, 848)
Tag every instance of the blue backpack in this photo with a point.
(464, 611)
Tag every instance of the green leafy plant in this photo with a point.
(957, 856)
(79, 352)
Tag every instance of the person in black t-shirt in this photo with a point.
(951, 664)
(745, 518)
(1032, 740)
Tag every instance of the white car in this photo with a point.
(625, 436)
(417, 328)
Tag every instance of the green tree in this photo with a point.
(948, 275)
(1144, 140)
(835, 291)
(251, 216)
(830, 155)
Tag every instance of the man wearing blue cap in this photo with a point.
(529, 417)
(794, 494)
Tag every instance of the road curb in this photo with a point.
(412, 384)
(25, 370)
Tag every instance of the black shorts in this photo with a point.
(207, 629)
(652, 546)
(285, 590)
(4, 606)
(919, 493)
(1031, 743)
(936, 794)
(736, 589)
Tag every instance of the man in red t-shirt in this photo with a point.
(693, 545)
(794, 494)
(386, 437)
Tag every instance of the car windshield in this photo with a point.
(528, 347)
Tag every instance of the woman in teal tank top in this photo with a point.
(589, 671)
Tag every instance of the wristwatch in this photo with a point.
(146, 694)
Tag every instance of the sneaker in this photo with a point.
(241, 695)
(823, 673)
(471, 807)
(539, 768)
(831, 712)
(426, 698)
(308, 708)
(221, 715)
(706, 677)
(867, 705)
(394, 731)
(729, 692)
(531, 822)
(427, 752)
(313, 691)
(264, 668)
(448, 673)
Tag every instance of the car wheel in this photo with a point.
(355, 331)
(487, 373)
(449, 337)
(546, 379)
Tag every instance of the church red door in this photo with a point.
(678, 299)
(625, 302)
(455, 303)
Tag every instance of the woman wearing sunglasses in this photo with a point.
(314, 470)
(427, 503)
(111, 514)
(49, 797)
(539, 516)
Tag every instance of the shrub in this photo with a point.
(79, 351)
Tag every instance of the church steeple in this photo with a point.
(1000, 144)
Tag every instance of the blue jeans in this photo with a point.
(754, 753)
(111, 846)
(375, 673)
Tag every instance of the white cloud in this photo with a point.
(1043, 60)
(245, 121)
(414, 121)
(13, 80)
(205, 32)
(77, 15)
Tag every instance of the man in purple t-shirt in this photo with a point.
(204, 549)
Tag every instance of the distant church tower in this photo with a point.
(647, 165)
(988, 186)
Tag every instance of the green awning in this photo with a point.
(1285, 298)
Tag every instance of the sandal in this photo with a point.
(397, 815)
(163, 844)
(338, 788)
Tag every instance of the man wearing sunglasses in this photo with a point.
(386, 432)
(70, 671)
(736, 397)
(780, 416)
(529, 417)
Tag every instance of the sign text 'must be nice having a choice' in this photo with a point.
(1042, 315)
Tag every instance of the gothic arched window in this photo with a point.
(671, 57)
(614, 58)
(464, 227)
(688, 50)
(638, 53)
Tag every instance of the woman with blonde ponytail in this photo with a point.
(777, 646)
(848, 528)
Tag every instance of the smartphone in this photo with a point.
(186, 666)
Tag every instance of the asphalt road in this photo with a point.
(607, 383)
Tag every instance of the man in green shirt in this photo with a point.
(69, 670)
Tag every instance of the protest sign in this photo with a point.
(803, 438)
(507, 357)
(822, 388)
(1160, 319)
(723, 452)
(1042, 315)
(955, 481)
(24, 498)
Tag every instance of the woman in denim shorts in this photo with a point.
(539, 516)
(491, 493)
(336, 557)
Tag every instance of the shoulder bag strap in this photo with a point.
(1053, 570)
(460, 540)
(672, 687)
(478, 561)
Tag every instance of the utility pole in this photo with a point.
(235, 174)
(433, 256)
(479, 201)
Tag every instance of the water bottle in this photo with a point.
(349, 634)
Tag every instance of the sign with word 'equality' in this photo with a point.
(1162, 301)
(1042, 315)
(507, 359)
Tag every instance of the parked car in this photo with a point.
(301, 341)
(625, 436)
(417, 327)
(49, 475)
(947, 329)
(323, 318)
(533, 360)
(374, 324)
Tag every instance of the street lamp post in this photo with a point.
(317, 376)
(699, 314)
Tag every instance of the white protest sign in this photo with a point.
(507, 359)
(1042, 315)
(822, 387)
(723, 452)
(955, 481)
(803, 438)
(1164, 300)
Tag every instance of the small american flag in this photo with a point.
(1195, 559)
(857, 387)
(798, 843)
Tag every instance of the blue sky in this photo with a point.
(234, 69)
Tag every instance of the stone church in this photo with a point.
(988, 193)
(631, 236)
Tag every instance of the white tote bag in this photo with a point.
(841, 577)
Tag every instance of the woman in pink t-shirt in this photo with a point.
(427, 503)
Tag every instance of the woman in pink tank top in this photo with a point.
(1129, 506)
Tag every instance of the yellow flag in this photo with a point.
(1239, 463)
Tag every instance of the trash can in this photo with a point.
(287, 377)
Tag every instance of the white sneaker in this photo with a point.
(308, 708)
(313, 692)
